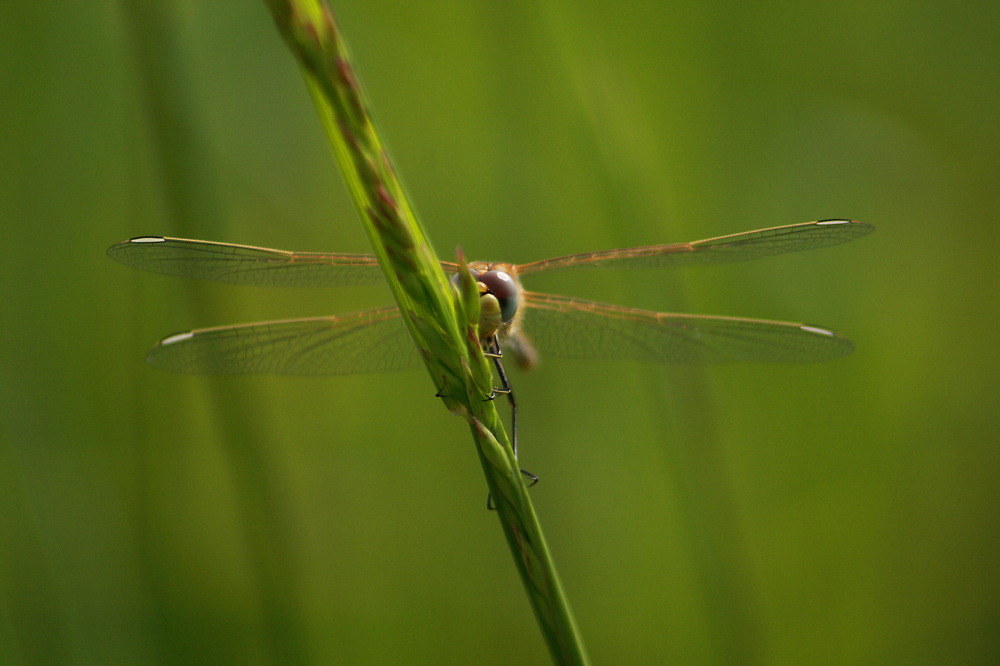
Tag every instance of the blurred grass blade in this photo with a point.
(441, 320)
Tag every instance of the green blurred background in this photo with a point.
(841, 513)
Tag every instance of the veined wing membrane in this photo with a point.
(574, 328)
(245, 264)
(724, 249)
(249, 265)
(358, 342)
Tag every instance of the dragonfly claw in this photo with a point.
(489, 496)
(494, 392)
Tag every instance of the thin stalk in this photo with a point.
(441, 319)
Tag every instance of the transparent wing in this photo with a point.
(249, 265)
(736, 247)
(358, 342)
(245, 264)
(573, 328)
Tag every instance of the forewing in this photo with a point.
(736, 247)
(245, 264)
(354, 343)
(574, 328)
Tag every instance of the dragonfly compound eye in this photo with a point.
(503, 288)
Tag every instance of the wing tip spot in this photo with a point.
(147, 239)
(169, 340)
(818, 331)
(830, 223)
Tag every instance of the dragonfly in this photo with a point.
(523, 323)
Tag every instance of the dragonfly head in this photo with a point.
(498, 298)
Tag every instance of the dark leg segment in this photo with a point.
(496, 356)
(494, 352)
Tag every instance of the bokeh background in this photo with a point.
(840, 513)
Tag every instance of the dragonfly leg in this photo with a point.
(494, 392)
(532, 481)
(494, 352)
(496, 355)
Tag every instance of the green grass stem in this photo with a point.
(442, 320)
